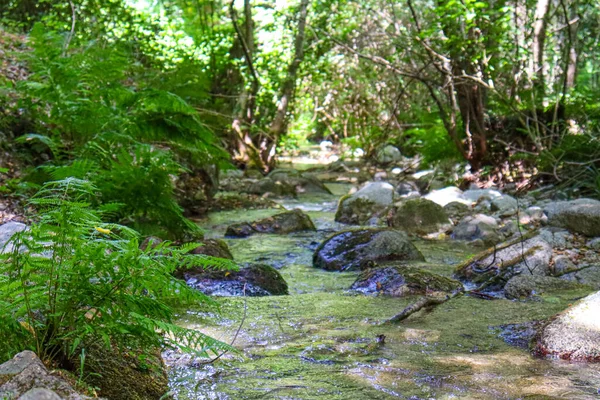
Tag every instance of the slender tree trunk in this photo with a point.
(280, 121)
(537, 45)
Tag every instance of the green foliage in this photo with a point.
(71, 279)
(432, 142)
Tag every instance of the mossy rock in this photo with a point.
(527, 285)
(419, 216)
(372, 201)
(357, 249)
(287, 222)
(267, 186)
(253, 280)
(121, 374)
(398, 281)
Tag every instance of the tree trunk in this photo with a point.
(280, 121)
(537, 46)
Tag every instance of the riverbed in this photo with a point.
(325, 342)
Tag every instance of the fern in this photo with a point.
(72, 278)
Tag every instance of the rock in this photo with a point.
(398, 281)
(562, 265)
(370, 201)
(357, 249)
(447, 195)
(40, 394)
(388, 154)
(527, 285)
(301, 182)
(474, 195)
(150, 241)
(7, 231)
(258, 280)
(512, 258)
(579, 216)
(26, 372)
(520, 335)
(475, 227)
(531, 215)
(558, 238)
(267, 186)
(504, 206)
(419, 216)
(456, 210)
(407, 188)
(573, 334)
(589, 275)
(287, 222)
(594, 244)
(124, 374)
(213, 248)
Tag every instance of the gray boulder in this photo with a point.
(527, 285)
(504, 206)
(7, 231)
(388, 154)
(579, 216)
(398, 281)
(370, 201)
(476, 227)
(287, 222)
(359, 249)
(588, 275)
(407, 188)
(574, 334)
(513, 258)
(26, 372)
(475, 195)
(419, 216)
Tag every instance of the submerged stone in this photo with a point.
(419, 216)
(254, 280)
(287, 222)
(357, 249)
(397, 281)
(573, 334)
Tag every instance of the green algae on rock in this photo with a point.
(286, 222)
(398, 281)
(356, 249)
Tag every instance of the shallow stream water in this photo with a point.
(324, 342)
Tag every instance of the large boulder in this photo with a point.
(573, 334)
(254, 280)
(516, 257)
(579, 216)
(527, 285)
(477, 227)
(268, 187)
(7, 231)
(287, 222)
(476, 195)
(588, 275)
(388, 154)
(359, 249)
(419, 216)
(457, 210)
(26, 375)
(370, 201)
(398, 281)
(213, 248)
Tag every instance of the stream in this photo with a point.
(324, 342)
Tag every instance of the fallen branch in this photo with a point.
(423, 302)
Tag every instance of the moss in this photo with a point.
(125, 374)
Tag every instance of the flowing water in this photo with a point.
(324, 342)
